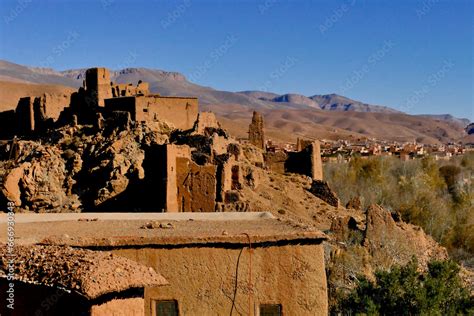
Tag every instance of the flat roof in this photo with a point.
(116, 230)
(214, 216)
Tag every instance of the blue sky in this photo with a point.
(416, 56)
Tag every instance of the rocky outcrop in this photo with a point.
(366, 241)
(11, 185)
(354, 203)
(391, 242)
(78, 167)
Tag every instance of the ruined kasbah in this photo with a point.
(123, 202)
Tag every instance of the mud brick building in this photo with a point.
(181, 112)
(97, 95)
(215, 264)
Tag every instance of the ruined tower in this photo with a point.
(316, 162)
(256, 136)
(98, 85)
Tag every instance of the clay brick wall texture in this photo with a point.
(196, 186)
(98, 84)
(173, 152)
(291, 275)
(180, 112)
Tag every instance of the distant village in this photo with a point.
(344, 150)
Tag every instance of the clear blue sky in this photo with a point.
(416, 56)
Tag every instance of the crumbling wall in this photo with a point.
(125, 90)
(256, 136)
(215, 280)
(219, 144)
(168, 172)
(196, 186)
(38, 113)
(322, 190)
(316, 161)
(307, 162)
(25, 115)
(180, 112)
(301, 144)
(47, 109)
(275, 161)
(230, 177)
(206, 121)
(122, 104)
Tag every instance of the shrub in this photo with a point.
(405, 291)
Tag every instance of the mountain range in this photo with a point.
(287, 116)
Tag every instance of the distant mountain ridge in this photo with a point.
(175, 83)
(287, 116)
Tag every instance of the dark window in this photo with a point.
(270, 310)
(166, 308)
(145, 110)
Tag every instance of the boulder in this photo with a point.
(11, 185)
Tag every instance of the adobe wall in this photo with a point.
(180, 112)
(307, 162)
(25, 115)
(124, 89)
(35, 113)
(301, 144)
(210, 279)
(205, 120)
(230, 177)
(196, 186)
(51, 105)
(98, 85)
(48, 107)
(316, 161)
(275, 161)
(171, 173)
(121, 104)
(120, 307)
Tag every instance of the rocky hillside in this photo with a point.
(82, 168)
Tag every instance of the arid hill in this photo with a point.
(286, 125)
(286, 116)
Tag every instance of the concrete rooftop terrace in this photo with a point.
(122, 230)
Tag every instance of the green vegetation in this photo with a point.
(406, 291)
(436, 195)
